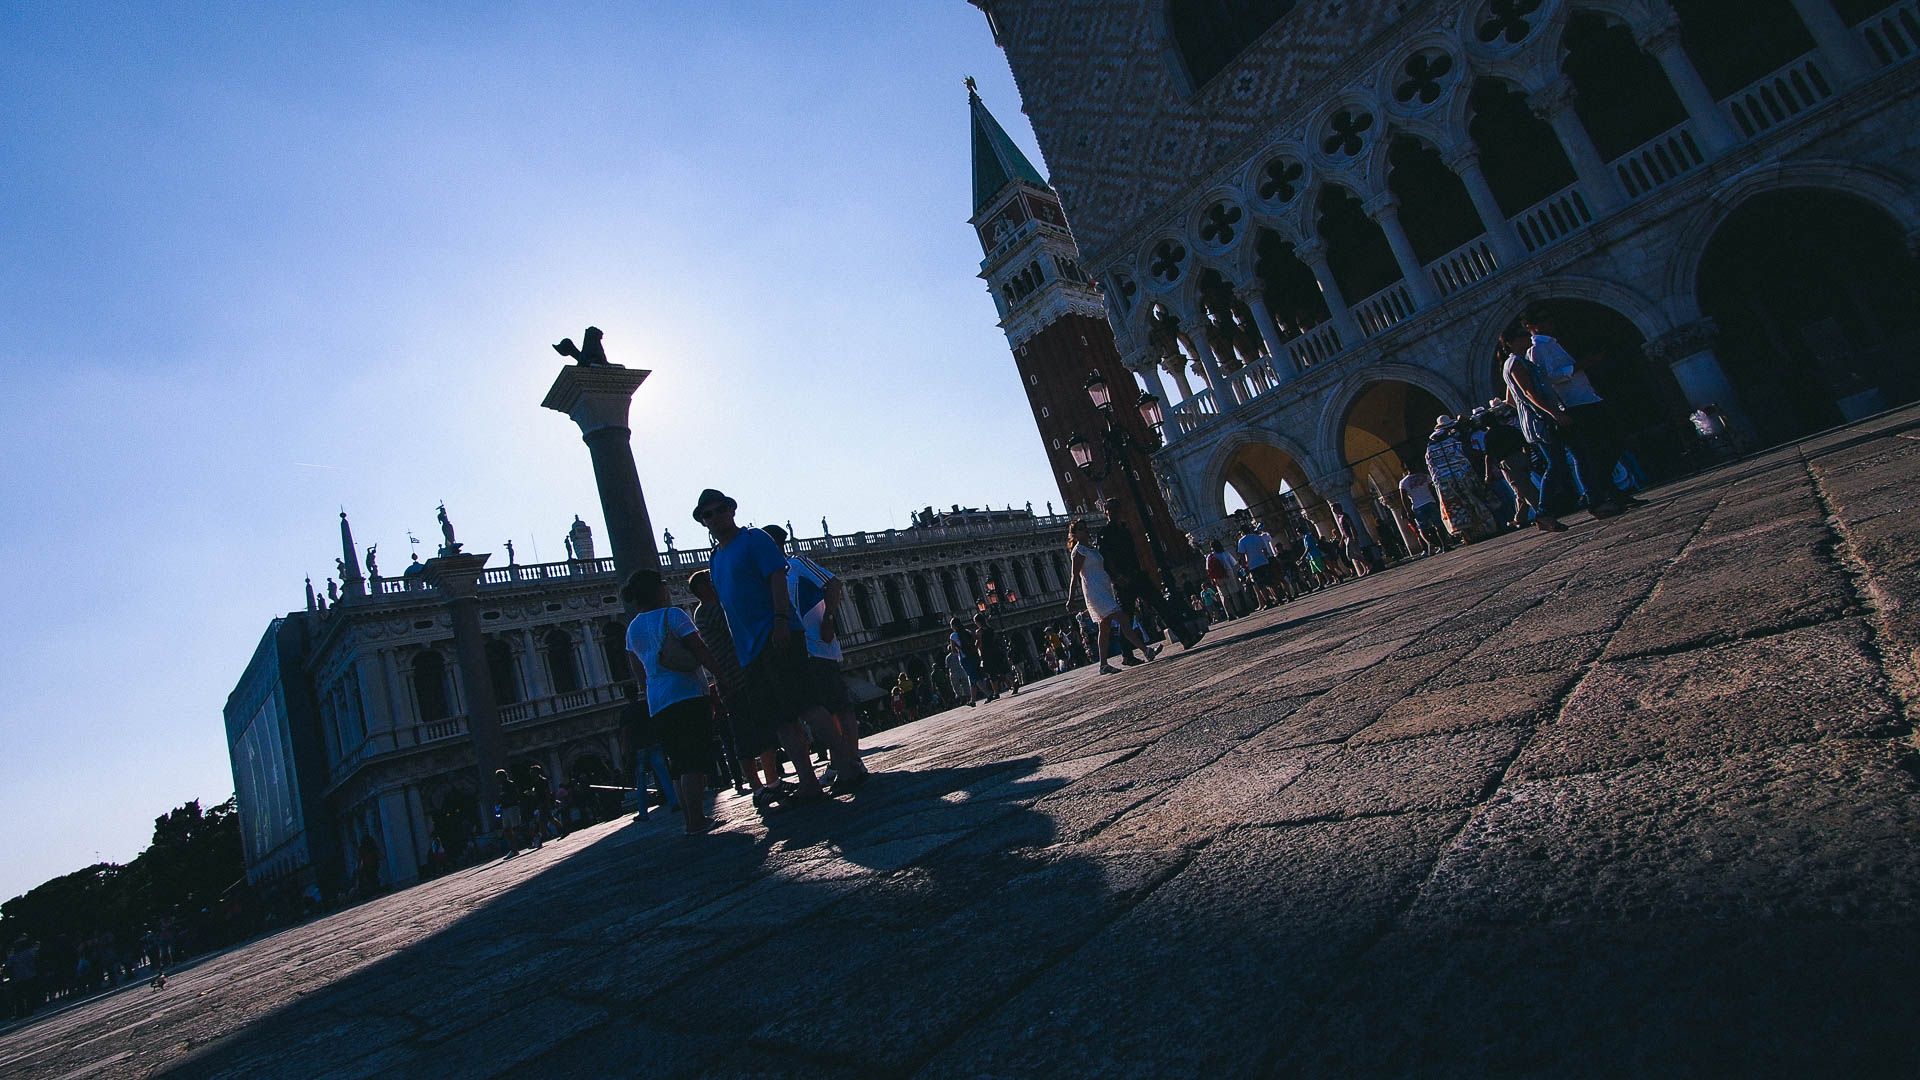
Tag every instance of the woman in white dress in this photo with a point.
(1090, 577)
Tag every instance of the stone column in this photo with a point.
(1846, 55)
(457, 577)
(1180, 379)
(1223, 395)
(1315, 256)
(1601, 186)
(1385, 211)
(1717, 135)
(396, 836)
(534, 685)
(1338, 486)
(1256, 301)
(593, 662)
(598, 398)
(1464, 160)
(1688, 351)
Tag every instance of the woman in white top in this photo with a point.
(1090, 576)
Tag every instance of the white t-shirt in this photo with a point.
(1255, 549)
(807, 591)
(1554, 362)
(1418, 489)
(644, 635)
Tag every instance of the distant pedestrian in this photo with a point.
(1220, 573)
(957, 674)
(1423, 510)
(1256, 558)
(1090, 577)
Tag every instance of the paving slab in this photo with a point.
(1642, 798)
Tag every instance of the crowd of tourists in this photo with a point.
(32, 975)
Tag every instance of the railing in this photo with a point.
(1464, 265)
(1384, 309)
(511, 574)
(1256, 378)
(1016, 237)
(516, 712)
(1553, 218)
(1193, 412)
(1780, 96)
(1894, 34)
(1315, 346)
(1659, 160)
(452, 727)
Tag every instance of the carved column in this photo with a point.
(598, 398)
(457, 577)
(1601, 186)
(536, 681)
(1385, 211)
(1223, 395)
(1464, 160)
(1315, 256)
(593, 662)
(1256, 301)
(1717, 135)
(1688, 351)
(1846, 55)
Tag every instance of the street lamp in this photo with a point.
(1121, 445)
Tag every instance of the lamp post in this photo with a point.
(1121, 445)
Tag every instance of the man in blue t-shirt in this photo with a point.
(750, 574)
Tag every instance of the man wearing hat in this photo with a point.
(750, 575)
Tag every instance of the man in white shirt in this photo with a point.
(1583, 426)
(1423, 509)
(816, 597)
(1256, 557)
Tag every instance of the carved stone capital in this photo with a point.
(1383, 205)
(1683, 341)
(1660, 33)
(1553, 101)
(1461, 156)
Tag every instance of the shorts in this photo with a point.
(1264, 575)
(1428, 515)
(686, 734)
(510, 817)
(826, 688)
(777, 684)
(996, 664)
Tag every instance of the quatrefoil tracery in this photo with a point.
(1345, 133)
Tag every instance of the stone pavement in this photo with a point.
(1640, 799)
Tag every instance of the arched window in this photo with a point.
(946, 591)
(560, 662)
(430, 685)
(1040, 575)
(1210, 33)
(502, 673)
(613, 641)
(1519, 153)
(923, 594)
(1020, 579)
(1435, 208)
(1292, 293)
(1735, 42)
(973, 585)
(863, 604)
(895, 608)
(1357, 249)
(1622, 96)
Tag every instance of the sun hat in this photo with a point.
(711, 498)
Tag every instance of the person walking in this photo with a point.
(1220, 570)
(1350, 541)
(1131, 582)
(662, 642)
(1462, 506)
(643, 740)
(1256, 558)
(1555, 404)
(750, 577)
(1423, 510)
(1507, 451)
(961, 635)
(1090, 577)
(957, 673)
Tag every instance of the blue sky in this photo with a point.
(263, 261)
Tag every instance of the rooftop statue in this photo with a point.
(451, 546)
(590, 353)
(373, 568)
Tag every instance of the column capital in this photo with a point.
(1461, 155)
(1683, 341)
(455, 576)
(1311, 252)
(595, 396)
(1385, 204)
(1660, 32)
(1553, 101)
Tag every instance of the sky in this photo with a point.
(262, 262)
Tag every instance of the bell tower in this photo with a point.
(1056, 323)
